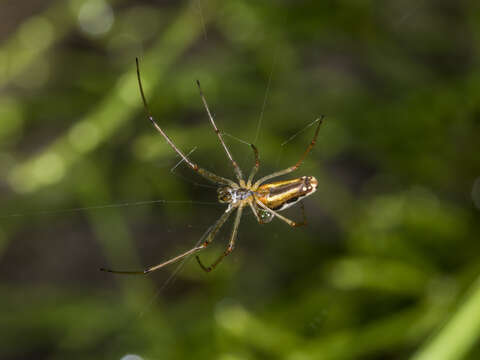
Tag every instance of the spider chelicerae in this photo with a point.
(264, 199)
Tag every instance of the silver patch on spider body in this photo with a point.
(264, 215)
(291, 202)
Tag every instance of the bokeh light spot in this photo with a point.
(37, 32)
(49, 168)
(95, 17)
(131, 357)
(84, 136)
(232, 317)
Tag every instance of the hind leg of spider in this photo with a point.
(283, 218)
(209, 238)
(153, 268)
(299, 162)
(230, 247)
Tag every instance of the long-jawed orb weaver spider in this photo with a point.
(264, 199)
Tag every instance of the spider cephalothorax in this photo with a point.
(224, 194)
(264, 199)
(231, 195)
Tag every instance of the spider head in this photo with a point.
(224, 194)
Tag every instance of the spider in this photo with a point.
(264, 199)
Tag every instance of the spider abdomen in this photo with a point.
(280, 195)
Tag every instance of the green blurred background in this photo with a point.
(388, 267)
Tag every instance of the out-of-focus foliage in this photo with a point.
(388, 265)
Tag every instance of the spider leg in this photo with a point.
(260, 214)
(209, 238)
(231, 244)
(236, 168)
(255, 167)
(255, 212)
(255, 154)
(205, 173)
(299, 162)
(281, 217)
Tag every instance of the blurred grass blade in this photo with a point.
(459, 334)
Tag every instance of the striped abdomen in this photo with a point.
(280, 195)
